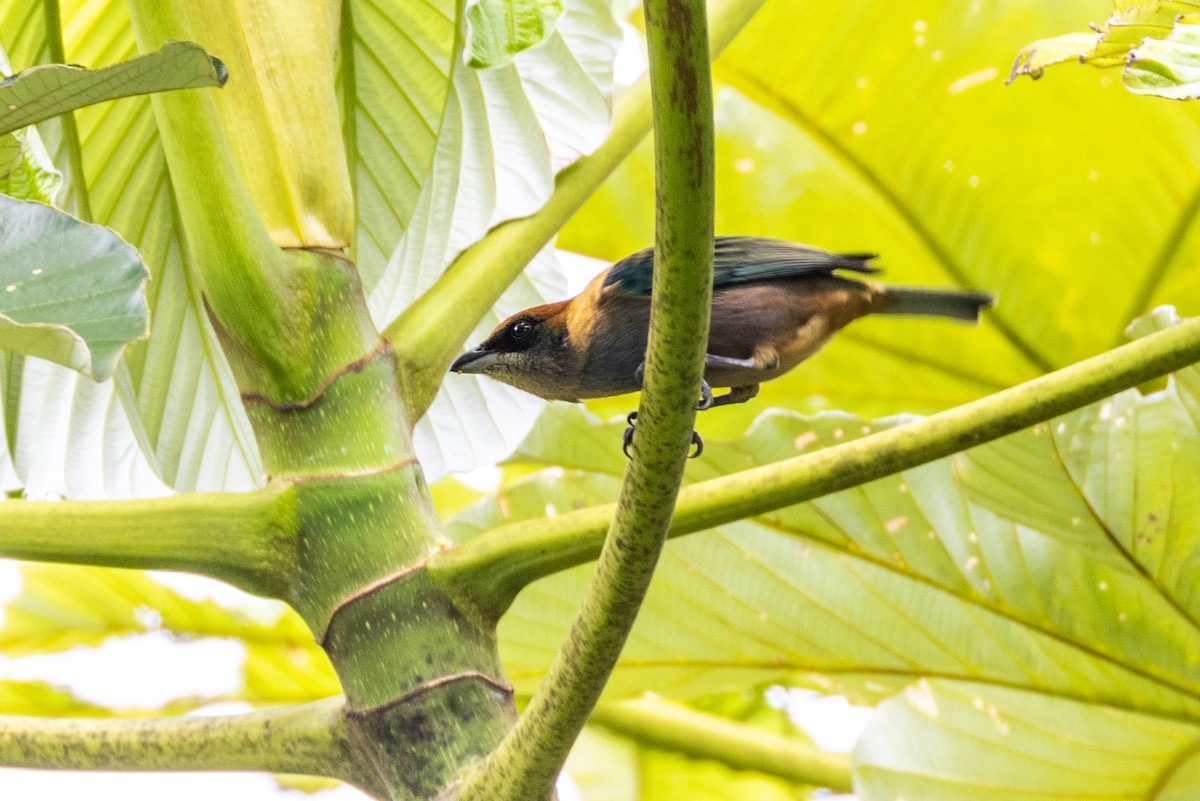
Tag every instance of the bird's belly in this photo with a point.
(794, 346)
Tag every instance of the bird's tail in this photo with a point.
(958, 304)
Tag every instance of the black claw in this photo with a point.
(627, 439)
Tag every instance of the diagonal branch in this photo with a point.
(309, 739)
(491, 569)
(673, 727)
(524, 766)
(431, 332)
(246, 539)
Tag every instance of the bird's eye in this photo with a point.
(521, 329)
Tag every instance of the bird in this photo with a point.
(774, 304)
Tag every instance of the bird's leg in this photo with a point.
(706, 394)
(628, 439)
(736, 395)
(763, 361)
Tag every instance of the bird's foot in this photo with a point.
(627, 439)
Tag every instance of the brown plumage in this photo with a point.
(774, 305)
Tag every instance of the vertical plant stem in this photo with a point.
(526, 763)
(240, 267)
(77, 193)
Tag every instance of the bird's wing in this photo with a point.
(741, 259)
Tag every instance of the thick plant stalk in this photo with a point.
(240, 267)
(256, 549)
(306, 738)
(491, 569)
(425, 694)
(524, 766)
(431, 332)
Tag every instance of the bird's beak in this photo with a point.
(474, 361)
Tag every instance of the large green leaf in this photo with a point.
(396, 65)
(1057, 562)
(886, 127)
(62, 607)
(178, 403)
(72, 291)
(504, 135)
(944, 741)
(41, 92)
(281, 113)
(65, 606)
(174, 411)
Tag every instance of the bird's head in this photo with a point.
(530, 350)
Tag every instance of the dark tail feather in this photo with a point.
(958, 304)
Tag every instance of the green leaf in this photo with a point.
(62, 607)
(10, 155)
(34, 176)
(1034, 58)
(44, 700)
(38, 93)
(72, 291)
(1134, 25)
(175, 411)
(1057, 563)
(504, 135)
(499, 29)
(396, 60)
(943, 740)
(66, 606)
(958, 571)
(1167, 67)
(280, 116)
(915, 149)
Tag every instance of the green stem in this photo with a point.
(77, 192)
(244, 539)
(310, 739)
(242, 270)
(431, 332)
(525, 764)
(673, 727)
(491, 569)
